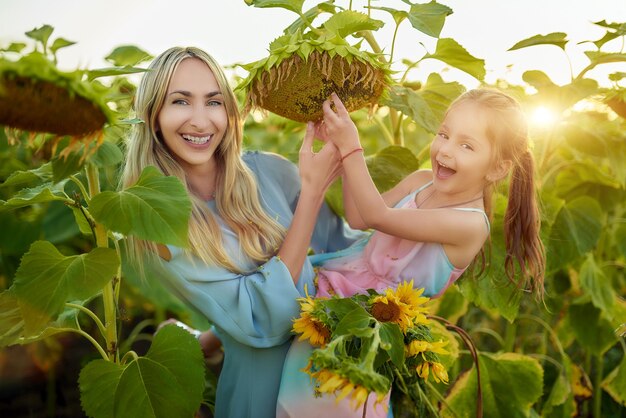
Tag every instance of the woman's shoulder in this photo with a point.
(268, 163)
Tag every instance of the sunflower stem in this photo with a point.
(108, 294)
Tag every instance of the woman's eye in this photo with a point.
(214, 103)
(180, 101)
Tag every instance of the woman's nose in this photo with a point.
(199, 118)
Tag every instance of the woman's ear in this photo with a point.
(500, 171)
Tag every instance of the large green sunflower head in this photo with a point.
(303, 69)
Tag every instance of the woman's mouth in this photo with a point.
(197, 140)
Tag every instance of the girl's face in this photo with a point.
(461, 153)
(193, 118)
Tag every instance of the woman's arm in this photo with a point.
(317, 172)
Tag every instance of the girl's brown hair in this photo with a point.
(508, 132)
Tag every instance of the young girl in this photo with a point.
(251, 226)
(430, 226)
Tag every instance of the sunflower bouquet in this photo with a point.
(364, 342)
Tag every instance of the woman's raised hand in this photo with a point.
(338, 127)
(318, 170)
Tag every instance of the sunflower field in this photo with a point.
(77, 324)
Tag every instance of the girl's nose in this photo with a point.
(446, 149)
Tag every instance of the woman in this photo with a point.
(251, 226)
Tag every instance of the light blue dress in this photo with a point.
(253, 313)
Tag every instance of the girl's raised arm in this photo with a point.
(439, 225)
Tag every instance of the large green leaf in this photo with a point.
(58, 223)
(555, 38)
(11, 323)
(592, 330)
(575, 231)
(397, 15)
(597, 57)
(560, 402)
(293, 5)
(127, 55)
(15, 334)
(310, 16)
(392, 341)
(43, 193)
(355, 322)
(452, 53)
(598, 285)
(37, 175)
(41, 34)
(46, 279)
(493, 290)
(429, 18)
(511, 383)
(620, 239)
(167, 383)
(390, 165)
(412, 104)
(63, 167)
(439, 94)
(18, 233)
(451, 305)
(559, 97)
(348, 22)
(108, 154)
(387, 168)
(615, 383)
(60, 43)
(585, 179)
(156, 208)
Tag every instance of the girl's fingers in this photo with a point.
(329, 114)
(341, 109)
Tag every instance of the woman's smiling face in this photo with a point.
(193, 120)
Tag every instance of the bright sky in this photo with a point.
(235, 33)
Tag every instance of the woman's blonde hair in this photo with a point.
(236, 192)
(507, 130)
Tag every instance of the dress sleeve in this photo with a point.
(277, 175)
(256, 308)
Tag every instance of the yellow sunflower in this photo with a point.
(413, 298)
(331, 382)
(416, 347)
(402, 306)
(312, 329)
(439, 372)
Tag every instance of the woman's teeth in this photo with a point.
(197, 140)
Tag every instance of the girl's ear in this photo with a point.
(500, 171)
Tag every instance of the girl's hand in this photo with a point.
(318, 170)
(338, 127)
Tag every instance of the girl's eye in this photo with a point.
(467, 146)
(443, 135)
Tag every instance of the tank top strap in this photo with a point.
(422, 187)
(478, 211)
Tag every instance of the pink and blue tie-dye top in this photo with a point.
(383, 261)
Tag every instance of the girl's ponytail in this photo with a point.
(521, 227)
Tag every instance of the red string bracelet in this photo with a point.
(350, 153)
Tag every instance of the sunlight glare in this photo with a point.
(543, 116)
